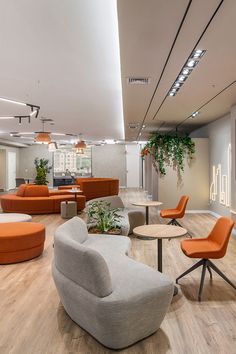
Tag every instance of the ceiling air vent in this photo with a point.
(138, 80)
(133, 125)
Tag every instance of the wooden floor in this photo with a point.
(32, 319)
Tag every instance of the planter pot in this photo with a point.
(94, 230)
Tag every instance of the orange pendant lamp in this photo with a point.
(43, 137)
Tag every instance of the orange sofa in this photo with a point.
(95, 187)
(35, 199)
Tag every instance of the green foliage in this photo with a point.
(168, 150)
(42, 169)
(103, 216)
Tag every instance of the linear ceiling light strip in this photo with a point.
(198, 41)
(166, 62)
(197, 111)
(34, 109)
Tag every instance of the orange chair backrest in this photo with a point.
(221, 233)
(182, 205)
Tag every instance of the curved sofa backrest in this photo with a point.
(32, 190)
(74, 228)
(85, 266)
(114, 200)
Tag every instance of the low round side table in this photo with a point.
(75, 191)
(147, 204)
(14, 217)
(159, 232)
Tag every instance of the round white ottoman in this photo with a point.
(68, 209)
(14, 217)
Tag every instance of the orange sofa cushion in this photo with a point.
(11, 203)
(21, 190)
(21, 243)
(36, 191)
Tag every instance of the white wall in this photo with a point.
(133, 160)
(195, 181)
(219, 133)
(4, 165)
(26, 158)
(109, 161)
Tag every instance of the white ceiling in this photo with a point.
(64, 56)
(147, 31)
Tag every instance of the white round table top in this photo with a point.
(14, 217)
(148, 203)
(159, 231)
(74, 191)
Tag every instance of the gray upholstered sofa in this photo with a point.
(131, 218)
(116, 299)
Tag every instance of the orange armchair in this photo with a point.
(212, 247)
(176, 213)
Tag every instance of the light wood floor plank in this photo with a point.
(33, 320)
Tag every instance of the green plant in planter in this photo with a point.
(168, 150)
(104, 218)
(42, 169)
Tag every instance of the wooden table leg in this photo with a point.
(159, 254)
(147, 215)
(159, 261)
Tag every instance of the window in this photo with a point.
(66, 161)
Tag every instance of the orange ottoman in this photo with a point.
(21, 241)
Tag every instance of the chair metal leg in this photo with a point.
(213, 266)
(202, 279)
(209, 270)
(195, 266)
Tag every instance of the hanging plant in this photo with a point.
(168, 150)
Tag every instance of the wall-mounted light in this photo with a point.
(186, 70)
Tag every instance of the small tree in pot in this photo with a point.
(103, 219)
(42, 169)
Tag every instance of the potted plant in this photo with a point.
(42, 169)
(103, 219)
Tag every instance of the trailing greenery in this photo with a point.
(42, 169)
(103, 216)
(169, 150)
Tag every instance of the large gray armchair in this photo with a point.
(116, 299)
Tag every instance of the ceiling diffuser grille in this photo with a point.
(138, 80)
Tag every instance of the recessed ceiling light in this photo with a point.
(186, 70)
(182, 78)
(191, 63)
(195, 114)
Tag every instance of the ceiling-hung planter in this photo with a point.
(168, 150)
